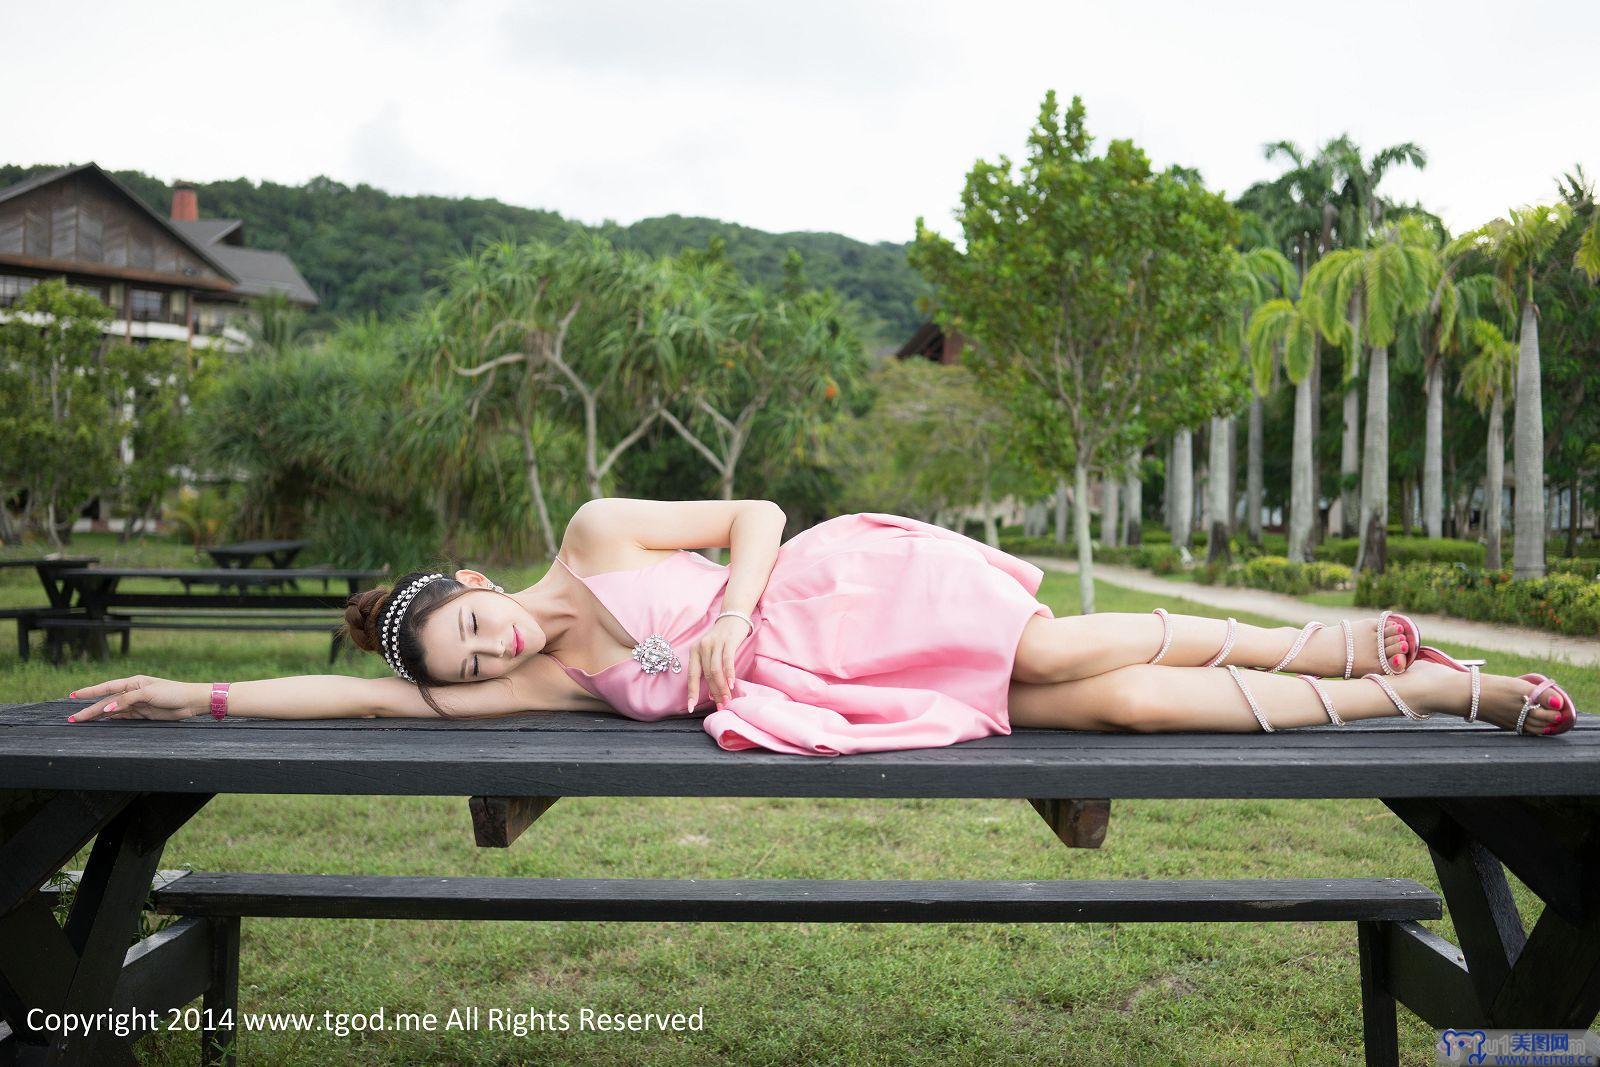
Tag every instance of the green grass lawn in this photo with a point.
(780, 993)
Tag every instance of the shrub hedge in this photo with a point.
(1565, 602)
(1406, 550)
(1277, 574)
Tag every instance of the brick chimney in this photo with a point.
(185, 204)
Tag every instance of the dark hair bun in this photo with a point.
(362, 616)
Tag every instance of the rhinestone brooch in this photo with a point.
(655, 655)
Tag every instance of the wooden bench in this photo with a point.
(222, 899)
(55, 625)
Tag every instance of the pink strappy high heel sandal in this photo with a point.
(1541, 685)
(1410, 633)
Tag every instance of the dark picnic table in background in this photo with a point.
(241, 554)
(96, 605)
(1481, 800)
(279, 554)
(57, 593)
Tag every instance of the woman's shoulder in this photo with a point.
(589, 549)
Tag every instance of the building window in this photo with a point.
(211, 319)
(13, 286)
(146, 304)
(96, 291)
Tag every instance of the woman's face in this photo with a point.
(480, 634)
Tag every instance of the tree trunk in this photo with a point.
(1217, 492)
(1133, 490)
(1371, 553)
(1494, 483)
(1433, 454)
(1166, 481)
(1080, 475)
(1061, 510)
(1232, 515)
(1302, 477)
(541, 510)
(1110, 519)
(1527, 452)
(991, 529)
(1252, 474)
(1315, 489)
(1574, 515)
(1349, 461)
(1181, 476)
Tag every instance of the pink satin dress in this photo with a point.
(874, 632)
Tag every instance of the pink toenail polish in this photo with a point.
(1403, 646)
(1398, 661)
(1555, 701)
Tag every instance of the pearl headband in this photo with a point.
(389, 635)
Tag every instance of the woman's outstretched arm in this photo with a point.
(329, 696)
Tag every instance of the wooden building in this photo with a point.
(169, 277)
(931, 343)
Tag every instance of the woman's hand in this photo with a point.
(143, 697)
(713, 657)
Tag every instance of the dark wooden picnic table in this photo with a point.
(279, 554)
(96, 595)
(49, 568)
(1482, 800)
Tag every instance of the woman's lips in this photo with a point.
(516, 639)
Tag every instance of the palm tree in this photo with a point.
(1288, 328)
(1357, 211)
(1446, 330)
(1486, 379)
(1518, 244)
(1255, 276)
(1384, 283)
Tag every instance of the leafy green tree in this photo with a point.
(928, 442)
(58, 436)
(1086, 279)
(746, 361)
(156, 381)
(567, 324)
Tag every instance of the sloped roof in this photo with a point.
(199, 248)
(261, 272)
(208, 231)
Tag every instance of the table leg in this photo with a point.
(1504, 975)
(76, 968)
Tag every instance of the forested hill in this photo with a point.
(365, 250)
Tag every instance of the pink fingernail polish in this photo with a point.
(72, 718)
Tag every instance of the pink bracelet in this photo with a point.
(219, 699)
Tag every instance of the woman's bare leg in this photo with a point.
(1157, 698)
(1082, 646)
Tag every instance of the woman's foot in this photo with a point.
(1433, 687)
(1328, 650)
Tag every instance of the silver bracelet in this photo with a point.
(737, 615)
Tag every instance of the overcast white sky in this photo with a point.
(853, 116)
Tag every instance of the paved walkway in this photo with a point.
(1440, 630)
